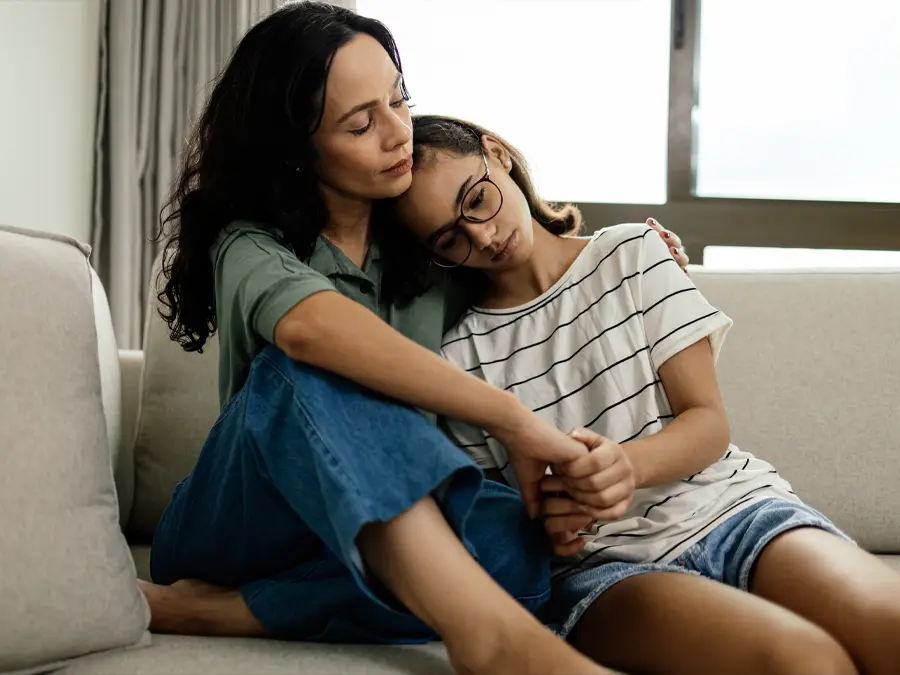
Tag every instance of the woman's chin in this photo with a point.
(393, 186)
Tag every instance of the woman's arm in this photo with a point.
(336, 334)
(698, 435)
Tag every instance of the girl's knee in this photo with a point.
(804, 649)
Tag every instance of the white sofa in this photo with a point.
(810, 374)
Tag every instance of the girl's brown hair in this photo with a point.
(432, 133)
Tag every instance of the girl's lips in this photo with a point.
(401, 167)
(508, 247)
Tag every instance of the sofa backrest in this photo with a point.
(809, 372)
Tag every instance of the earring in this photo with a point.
(507, 164)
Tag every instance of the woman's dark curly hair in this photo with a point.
(251, 158)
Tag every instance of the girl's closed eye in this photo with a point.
(477, 200)
(447, 240)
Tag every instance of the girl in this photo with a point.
(322, 506)
(664, 527)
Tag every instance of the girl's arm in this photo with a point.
(698, 435)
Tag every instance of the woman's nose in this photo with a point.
(400, 130)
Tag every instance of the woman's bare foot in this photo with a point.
(539, 652)
(192, 607)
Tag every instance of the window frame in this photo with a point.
(717, 221)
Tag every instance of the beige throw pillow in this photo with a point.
(67, 580)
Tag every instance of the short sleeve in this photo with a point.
(675, 313)
(261, 279)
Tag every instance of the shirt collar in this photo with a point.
(329, 260)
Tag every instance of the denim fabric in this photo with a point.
(297, 463)
(727, 554)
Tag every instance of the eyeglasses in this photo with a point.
(451, 247)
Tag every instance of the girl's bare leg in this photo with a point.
(838, 586)
(673, 624)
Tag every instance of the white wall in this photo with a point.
(49, 51)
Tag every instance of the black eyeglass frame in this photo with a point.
(486, 178)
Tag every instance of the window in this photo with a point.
(748, 257)
(799, 99)
(760, 123)
(580, 87)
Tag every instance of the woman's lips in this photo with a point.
(401, 167)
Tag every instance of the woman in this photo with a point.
(605, 332)
(337, 513)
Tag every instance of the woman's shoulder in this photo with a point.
(243, 236)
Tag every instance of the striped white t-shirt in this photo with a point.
(587, 354)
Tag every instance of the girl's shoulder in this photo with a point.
(616, 238)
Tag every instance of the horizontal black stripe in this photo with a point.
(727, 455)
(553, 332)
(657, 264)
(718, 520)
(624, 400)
(574, 354)
(644, 428)
(653, 506)
(553, 297)
(681, 327)
(668, 297)
(590, 381)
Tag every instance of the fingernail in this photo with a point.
(674, 249)
(666, 235)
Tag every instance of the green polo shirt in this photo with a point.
(258, 280)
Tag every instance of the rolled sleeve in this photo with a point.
(264, 279)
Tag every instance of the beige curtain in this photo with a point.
(158, 58)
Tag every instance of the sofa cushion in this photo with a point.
(811, 379)
(179, 404)
(68, 584)
(179, 655)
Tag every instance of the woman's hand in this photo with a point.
(532, 445)
(602, 481)
(674, 243)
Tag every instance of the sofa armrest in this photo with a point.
(131, 365)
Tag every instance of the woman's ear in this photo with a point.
(495, 150)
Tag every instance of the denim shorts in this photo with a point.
(727, 554)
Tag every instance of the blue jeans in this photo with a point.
(297, 463)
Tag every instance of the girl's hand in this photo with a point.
(674, 243)
(564, 518)
(532, 445)
(602, 482)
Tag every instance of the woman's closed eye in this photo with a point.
(360, 131)
(394, 104)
